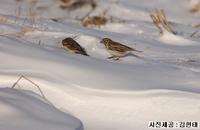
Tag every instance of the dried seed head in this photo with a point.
(160, 21)
(94, 20)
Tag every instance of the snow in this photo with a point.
(172, 39)
(160, 84)
(23, 110)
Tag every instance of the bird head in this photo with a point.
(67, 41)
(105, 40)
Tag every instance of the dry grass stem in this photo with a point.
(25, 78)
(160, 21)
(24, 30)
(17, 10)
(38, 87)
(194, 34)
(196, 8)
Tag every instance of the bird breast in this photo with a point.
(69, 49)
(117, 53)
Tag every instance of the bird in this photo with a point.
(71, 45)
(116, 49)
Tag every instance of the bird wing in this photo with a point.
(119, 47)
(78, 49)
(122, 48)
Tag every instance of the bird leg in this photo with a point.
(114, 57)
(117, 58)
(111, 57)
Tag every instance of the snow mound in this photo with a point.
(23, 110)
(172, 39)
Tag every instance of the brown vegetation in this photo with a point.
(75, 4)
(94, 20)
(160, 21)
(196, 8)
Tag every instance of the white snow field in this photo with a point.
(160, 84)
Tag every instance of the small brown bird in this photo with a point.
(117, 50)
(73, 46)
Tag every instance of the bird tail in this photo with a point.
(138, 51)
(82, 53)
(86, 54)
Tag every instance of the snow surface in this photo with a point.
(161, 84)
(23, 110)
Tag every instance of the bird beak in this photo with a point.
(101, 41)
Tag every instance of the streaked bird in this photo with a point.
(117, 50)
(73, 46)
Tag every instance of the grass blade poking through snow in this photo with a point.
(38, 87)
(160, 21)
(25, 78)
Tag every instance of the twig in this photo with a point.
(16, 82)
(194, 33)
(39, 43)
(18, 86)
(23, 77)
